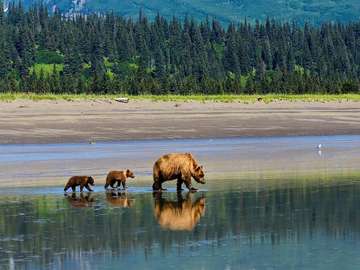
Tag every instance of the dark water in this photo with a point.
(309, 225)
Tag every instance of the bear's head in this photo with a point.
(91, 181)
(199, 208)
(129, 174)
(199, 174)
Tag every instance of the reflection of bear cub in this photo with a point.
(118, 177)
(177, 166)
(80, 201)
(82, 181)
(179, 215)
(119, 199)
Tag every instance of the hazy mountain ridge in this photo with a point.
(224, 10)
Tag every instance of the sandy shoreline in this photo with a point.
(100, 120)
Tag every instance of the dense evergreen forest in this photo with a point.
(108, 53)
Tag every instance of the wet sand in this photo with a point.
(100, 120)
(245, 160)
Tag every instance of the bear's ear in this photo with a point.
(127, 171)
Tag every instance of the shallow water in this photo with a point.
(306, 218)
(295, 226)
(53, 164)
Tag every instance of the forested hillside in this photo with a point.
(110, 54)
(226, 11)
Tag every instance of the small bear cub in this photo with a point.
(118, 177)
(82, 181)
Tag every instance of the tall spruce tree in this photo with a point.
(109, 53)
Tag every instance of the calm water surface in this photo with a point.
(298, 208)
(308, 226)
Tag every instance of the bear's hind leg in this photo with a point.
(157, 186)
(179, 184)
(73, 188)
(112, 184)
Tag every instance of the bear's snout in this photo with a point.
(202, 180)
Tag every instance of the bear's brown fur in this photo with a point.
(81, 201)
(119, 199)
(82, 181)
(180, 215)
(177, 166)
(118, 177)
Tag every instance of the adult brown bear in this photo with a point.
(180, 215)
(180, 166)
(118, 177)
(82, 181)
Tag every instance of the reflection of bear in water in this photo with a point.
(84, 200)
(180, 215)
(119, 199)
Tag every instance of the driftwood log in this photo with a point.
(122, 99)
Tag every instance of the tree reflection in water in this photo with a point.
(39, 231)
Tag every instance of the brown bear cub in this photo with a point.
(179, 166)
(118, 177)
(82, 181)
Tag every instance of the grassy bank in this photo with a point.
(9, 97)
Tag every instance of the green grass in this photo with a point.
(47, 69)
(8, 97)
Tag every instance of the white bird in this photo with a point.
(319, 146)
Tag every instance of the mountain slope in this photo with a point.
(314, 11)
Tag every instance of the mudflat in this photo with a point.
(25, 121)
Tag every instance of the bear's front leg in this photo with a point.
(189, 185)
(123, 184)
(118, 184)
(187, 180)
(88, 187)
